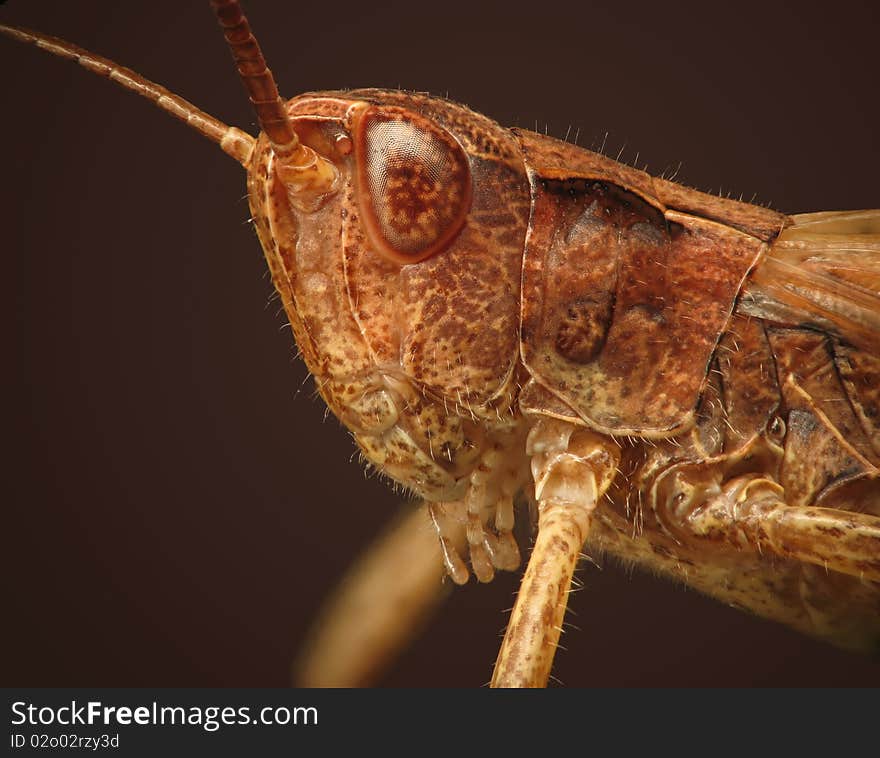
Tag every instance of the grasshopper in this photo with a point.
(576, 189)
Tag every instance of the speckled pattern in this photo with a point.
(687, 382)
(440, 366)
(414, 183)
(417, 360)
(649, 287)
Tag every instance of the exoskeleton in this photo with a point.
(687, 382)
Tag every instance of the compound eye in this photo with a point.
(414, 183)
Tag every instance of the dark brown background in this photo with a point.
(175, 509)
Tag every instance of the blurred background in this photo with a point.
(176, 506)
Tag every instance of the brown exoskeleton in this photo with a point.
(562, 329)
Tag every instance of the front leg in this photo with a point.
(572, 468)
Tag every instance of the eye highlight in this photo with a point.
(414, 183)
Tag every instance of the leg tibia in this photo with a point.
(572, 469)
(526, 655)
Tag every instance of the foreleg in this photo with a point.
(571, 470)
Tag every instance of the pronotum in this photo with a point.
(155, 259)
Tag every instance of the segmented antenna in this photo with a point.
(307, 175)
(233, 141)
(256, 77)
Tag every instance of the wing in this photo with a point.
(823, 271)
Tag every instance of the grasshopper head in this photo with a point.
(401, 277)
(394, 226)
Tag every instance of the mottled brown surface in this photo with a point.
(623, 300)
(626, 327)
(809, 376)
(763, 223)
(165, 412)
(860, 374)
(450, 323)
(749, 386)
(394, 346)
(835, 607)
(825, 446)
(526, 655)
(559, 160)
